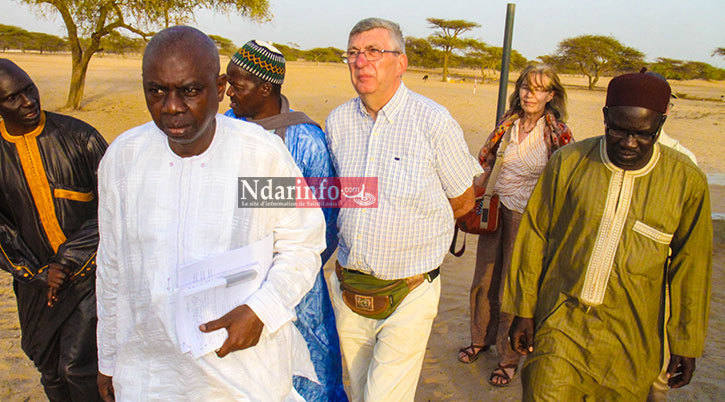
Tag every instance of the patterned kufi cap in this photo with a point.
(262, 60)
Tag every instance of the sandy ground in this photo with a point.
(114, 103)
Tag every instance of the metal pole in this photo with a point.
(505, 61)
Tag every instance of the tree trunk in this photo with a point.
(593, 82)
(79, 68)
(80, 58)
(445, 65)
(77, 83)
(598, 69)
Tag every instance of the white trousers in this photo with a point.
(384, 357)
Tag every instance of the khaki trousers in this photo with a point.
(384, 357)
(490, 325)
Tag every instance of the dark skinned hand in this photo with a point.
(57, 275)
(680, 370)
(243, 329)
(105, 387)
(521, 335)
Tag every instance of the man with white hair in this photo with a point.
(385, 291)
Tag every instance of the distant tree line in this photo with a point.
(225, 46)
(590, 55)
(12, 37)
(596, 55)
(674, 69)
(93, 27)
(116, 43)
(319, 54)
(16, 38)
(472, 54)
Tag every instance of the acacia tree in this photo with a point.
(486, 56)
(421, 54)
(11, 37)
(43, 42)
(674, 69)
(719, 52)
(18, 38)
(291, 51)
(96, 19)
(595, 55)
(115, 43)
(324, 54)
(225, 45)
(446, 37)
(489, 57)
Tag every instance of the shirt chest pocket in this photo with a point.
(74, 205)
(405, 177)
(648, 250)
(652, 233)
(74, 194)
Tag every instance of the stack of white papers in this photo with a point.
(208, 289)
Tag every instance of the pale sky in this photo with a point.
(678, 29)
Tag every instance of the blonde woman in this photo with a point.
(535, 127)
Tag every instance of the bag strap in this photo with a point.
(452, 249)
(488, 193)
(498, 164)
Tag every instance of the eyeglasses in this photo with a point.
(371, 54)
(638, 135)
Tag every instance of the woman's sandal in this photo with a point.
(471, 353)
(500, 372)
